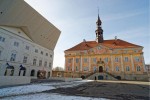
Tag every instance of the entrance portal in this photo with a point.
(100, 69)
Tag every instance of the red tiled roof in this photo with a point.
(114, 44)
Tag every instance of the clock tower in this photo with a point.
(99, 31)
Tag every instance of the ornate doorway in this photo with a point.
(100, 69)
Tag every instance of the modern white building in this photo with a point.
(27, 41)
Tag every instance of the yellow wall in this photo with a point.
(111, 55)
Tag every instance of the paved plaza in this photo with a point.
(78, 90)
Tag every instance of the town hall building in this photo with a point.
(105, 59)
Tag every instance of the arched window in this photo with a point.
(48, 74)
(9, 70)
(22, 71)
(32, 72)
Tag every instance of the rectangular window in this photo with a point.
(94, 60)
(126, 59)
(25, 59)
(117, 68)
(69, 60)
(45, 64)
(107, 69)
(41, 52)
(138, 68)
(137, 59)
(106, 59)
(51, 56)
(40, 62)
(2, 39)
(127, 68)
(27, 47)
(16, 44)
(85, 60)
(116, 59)
(0, 53)
(13, 57)
(36, 50)
(46, 54)
(50, 65)
(34, 62)
(68, 68)
(94, 69)
(77, 60)
(76, 68)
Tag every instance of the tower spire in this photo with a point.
(99, 30)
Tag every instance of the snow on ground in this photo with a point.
(31, 92)
(46, 96)
(24, 89)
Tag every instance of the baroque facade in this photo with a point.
(105, 59)
(27, 41)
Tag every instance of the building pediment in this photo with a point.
(100, 49)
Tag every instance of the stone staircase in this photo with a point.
(101, 76)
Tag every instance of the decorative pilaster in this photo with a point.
(89, 64)
(73, 64)
(143, 61)
(112, 63)
(122, 69)
(81, 63)
(132, 63)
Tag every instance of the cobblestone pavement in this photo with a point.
(120, 90)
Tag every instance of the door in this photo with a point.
(100, 77)
(100, 69)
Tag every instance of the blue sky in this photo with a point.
(126, 19)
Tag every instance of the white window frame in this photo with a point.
(34, 61)
(45, 64)
(85, 60)
(117, 68)
(27, 47)
(127, 68)
(25, 59)
(13, 57)
(16, 44)
(40, 62)
(126, 59)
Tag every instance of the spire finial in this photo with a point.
(98, 10)
(98, 6)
